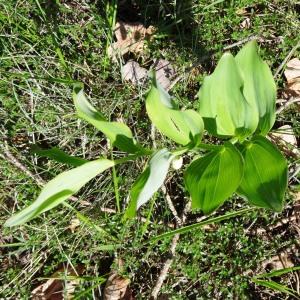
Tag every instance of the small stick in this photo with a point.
(287, 104)
(286, 59)
(250, 38)
(164, 271)
(12, 159)
(168, 263)
(171, 206)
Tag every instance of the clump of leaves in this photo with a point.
(237, 105)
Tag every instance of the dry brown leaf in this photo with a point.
(292, 70)
(246, 23)
(164, 72)
(116, 286)
(286, 133)
(74, 224)
(130, 38)
(133, 72)
(292, 75)
(57, 289)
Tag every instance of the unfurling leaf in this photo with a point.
(60, 189)
(183, 127)
(214, 177)
(222, 104)
(265, 174)
(149, 181)
(238, 99)
(259, 87)
(119, 134)
(59, 156)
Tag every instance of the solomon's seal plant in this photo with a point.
(236, 105)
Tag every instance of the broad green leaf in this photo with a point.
(259, 87)
(183, 127)
(149, 181)
(119, 134)
(265, 174)
(277, 287)
(59, 189)
(59, 156)
(214, 177)
(222, 105)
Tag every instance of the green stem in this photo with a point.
(209, 147)
(116, 186)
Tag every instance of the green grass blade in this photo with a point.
(189, 228)
(59, 156)
(278, 272)
(277, 287)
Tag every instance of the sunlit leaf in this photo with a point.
(214, 177)
(59, 189)
(183, 127)
(277, 287)
(149, 181)
(119, 134)
(222, 105)
(259, 87)
(238, 98)
(265, 174)
(59, 156)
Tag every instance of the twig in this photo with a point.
(12, 159)
(286, 59)
(250, 38)
(164, 271)
(171, 206)
(287, 104)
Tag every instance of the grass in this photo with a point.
(42, 54)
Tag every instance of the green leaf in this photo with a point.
(222, 105)
(149, 181)
(183, 127)
(119, 134)
(259, 86)
(265, 174)
(214, 177)
(59, 156)
(277, 287)
(59, 189)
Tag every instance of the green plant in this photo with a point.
(262, 280)
(237, 104)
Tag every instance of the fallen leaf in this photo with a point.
(246, 23)
(130, 38)
(164, 72)
(74, 224)
(286, 134)
(57, 289)
(292, 75)
(116, 287)
(133, 72)
(292, 70)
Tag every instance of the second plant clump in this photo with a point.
(236, 104)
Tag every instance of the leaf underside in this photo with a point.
(149, 181)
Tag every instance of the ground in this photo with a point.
(45, 47)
